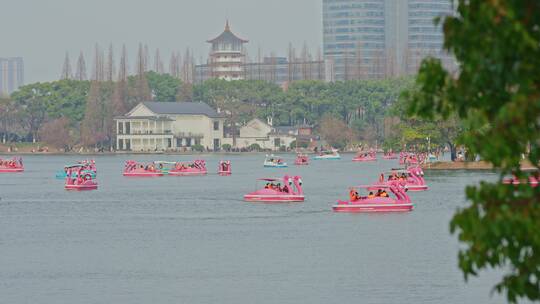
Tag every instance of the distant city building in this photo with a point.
(381, 38)
(11, 75)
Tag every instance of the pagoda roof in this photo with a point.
(227, 35)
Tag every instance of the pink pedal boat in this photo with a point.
(301, 160)
(197, 167)
(533, 180)
(365, 157)
(373, 203)
(274, 192)
(13, 165)
(77, 178)
(407, 158)
(134, 169)
(412, 178)
(224, 168)
(390, 155)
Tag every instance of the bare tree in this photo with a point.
(141, 87)
(123, 68)
(305, 62)
(57, 133)
(66, 68)
(290, 65)
(80, 73)
(109, 71)
(320, 62)
(158, 64)
(92, 124)
(259, 64)
(98, 71)
(359, 71)
(173, 65)
(146, 58)
(346, 66)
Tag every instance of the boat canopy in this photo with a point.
(267, 179)
(164, 162)
(75, 166)
(376, 186)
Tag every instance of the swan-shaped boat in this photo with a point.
(224, 168)
(197, 167)
(301, 160)
(328, 155)
(14, 165)
(412, 178)
(272, 161)
(275, 192)
(370, 156)
(77, 179)
(380, 202)
(134, 169)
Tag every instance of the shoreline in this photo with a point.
(469, 166)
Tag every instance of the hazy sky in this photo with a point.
(41, 31)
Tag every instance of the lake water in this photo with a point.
(193, 239)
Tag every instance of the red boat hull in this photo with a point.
(143, 174)
(417, 188)
(364, 159)
(187, 173)
(11, 170)
(224, 173)
(81, 187)
(370, 208)
(273, 198)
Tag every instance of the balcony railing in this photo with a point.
(188, 135)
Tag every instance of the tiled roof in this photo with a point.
(179, 108)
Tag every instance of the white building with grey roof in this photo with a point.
(169, 126)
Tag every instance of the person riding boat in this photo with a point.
(384, 193)
(371, 195)
(353, 195)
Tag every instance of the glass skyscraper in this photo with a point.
(378, 38)
(11, 75)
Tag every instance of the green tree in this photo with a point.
(163, 87)
(496, 93)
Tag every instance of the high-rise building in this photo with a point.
(379, 38)
(11, 75)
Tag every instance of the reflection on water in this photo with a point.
(193, 239)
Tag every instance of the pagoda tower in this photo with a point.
(227, 56)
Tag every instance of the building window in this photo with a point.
(188, 142)
(277, 142)
(120, 128)
(197, 141)
(169, 143)
(216, 125)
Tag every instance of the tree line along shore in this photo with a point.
(70, 115)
